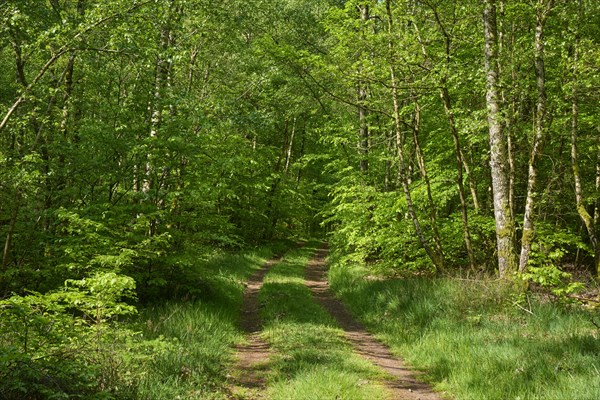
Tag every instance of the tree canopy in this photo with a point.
(420, 136)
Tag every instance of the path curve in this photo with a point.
(405, 386)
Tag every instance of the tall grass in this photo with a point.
(199, 331)
(472, 340)
(311, 360)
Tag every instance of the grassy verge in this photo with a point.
(83, 341)
(471, 339)
(311, 360)
(199, 333)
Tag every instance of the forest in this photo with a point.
(155, 154)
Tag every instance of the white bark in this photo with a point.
(505, 226)
(544, 8)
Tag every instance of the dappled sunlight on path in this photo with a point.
(249, 372)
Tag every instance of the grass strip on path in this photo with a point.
(403, 382)
(311, 359)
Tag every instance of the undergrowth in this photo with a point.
(85, 341)
(474, 340)
(201, 329)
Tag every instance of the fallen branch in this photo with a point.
(524, 309)
(581, 298)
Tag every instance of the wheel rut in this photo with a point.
(405, 384)
(248, 379)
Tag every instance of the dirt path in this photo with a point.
(248, 379)
(405, 385)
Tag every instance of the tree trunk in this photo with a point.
(597, 203)
(540, 128)
(446, 101)
(435, 256)
(64, 123)
(156, 177)
(302, 147)
(11, 230)
(471, 181)
(586, 218)
(288, 153)
(423, 170)
(505, 225)
(459, 173)
(155, 106)
(363, 130)
(510, 118)
(387, 184)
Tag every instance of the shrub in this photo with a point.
(68, 343)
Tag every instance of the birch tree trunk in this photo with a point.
(155, 106)
(363, 130)
(156, 176)
(543, 9)
(505, 225)
(288, 153)
(510, 118)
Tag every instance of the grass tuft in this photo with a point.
(471, 339)
(324, 383)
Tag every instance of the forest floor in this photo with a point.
(250, 375)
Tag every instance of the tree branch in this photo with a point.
(66, 48)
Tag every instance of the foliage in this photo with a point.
(201, 328)
(147, 128)
(552, 278)
(137, 138)
(85, 341)
(68, 342)
(411, 56)
(548, 255)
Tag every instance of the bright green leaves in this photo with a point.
(71, 336)
(551, 278)
(99, 296)
(416, 52)
(98, 299)
(545, 267)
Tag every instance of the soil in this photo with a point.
(249, 377)
(404, 383)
